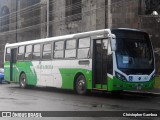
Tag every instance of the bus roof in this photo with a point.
(71, 36)
(131, 29)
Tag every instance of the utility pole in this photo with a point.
(47, 18)
(109, 14)
(16, 20)
(140, 14)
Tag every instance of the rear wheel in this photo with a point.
(80, 86)
(22, 80)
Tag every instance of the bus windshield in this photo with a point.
(134, 51)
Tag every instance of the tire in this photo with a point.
(80, 85)
(22, 81)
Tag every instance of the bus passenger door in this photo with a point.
(100, 63)
(13, 61)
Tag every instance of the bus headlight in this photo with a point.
(120, 76)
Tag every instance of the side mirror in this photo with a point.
(113, 43)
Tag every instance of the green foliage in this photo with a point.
(157, 82)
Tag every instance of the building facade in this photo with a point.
(23, 20)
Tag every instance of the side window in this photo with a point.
(46, 51)
(8, 54)
(71, 44)
(70, 51)
(58, 49)
(20, 53)
(36, 51)
(84, 42)
(28, 52)
(84, 48)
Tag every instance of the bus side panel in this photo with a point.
(7, 71)
(68, 77)
(65, 71)
(46, 76)
(28, 69)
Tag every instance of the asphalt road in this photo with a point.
(13, 98)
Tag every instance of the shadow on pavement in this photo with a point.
(125, 95)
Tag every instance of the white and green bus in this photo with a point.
(107, 59)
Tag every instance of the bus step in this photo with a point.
(101, 89)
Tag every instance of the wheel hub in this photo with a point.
(81, 85)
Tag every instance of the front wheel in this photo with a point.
(22, 81)
(80, 86)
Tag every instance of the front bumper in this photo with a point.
(116, 84)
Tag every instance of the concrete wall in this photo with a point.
(30, 22)
(7, 37)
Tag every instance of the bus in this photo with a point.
(106, 60)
